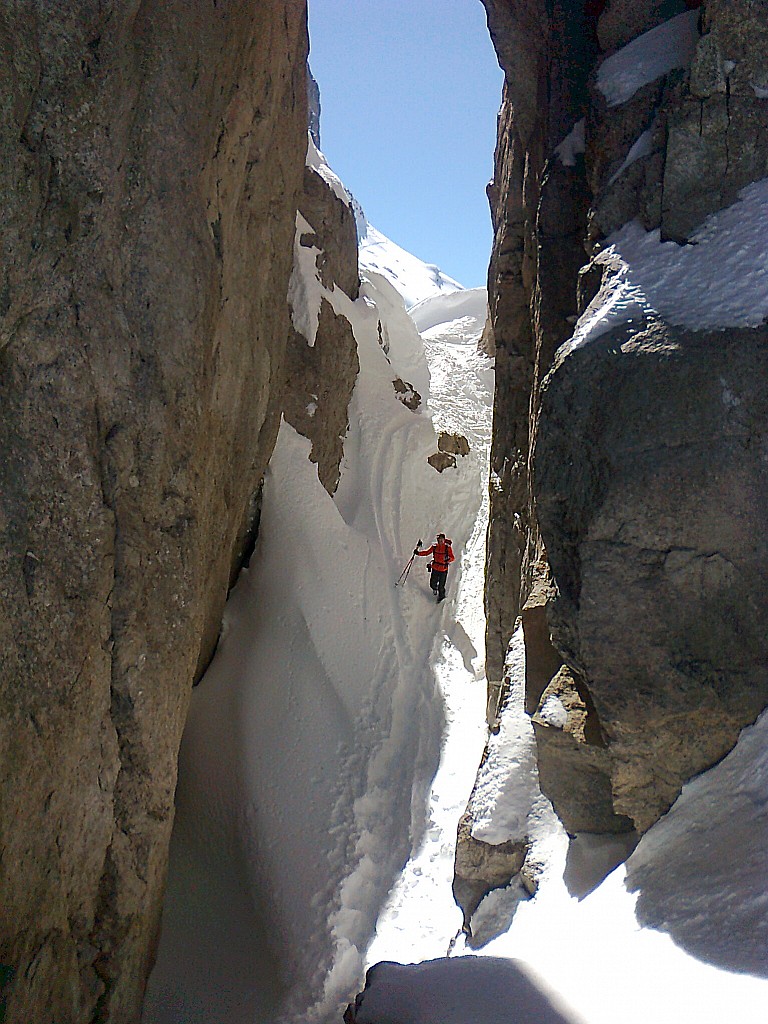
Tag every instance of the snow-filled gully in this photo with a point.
(333, 744)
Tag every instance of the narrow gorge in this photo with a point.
(229, 408)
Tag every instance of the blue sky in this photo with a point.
(410, 90)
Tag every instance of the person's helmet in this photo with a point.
(441, 536)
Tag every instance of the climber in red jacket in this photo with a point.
(442, 556)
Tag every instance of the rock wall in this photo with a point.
(645, 515)
(538, 210)
(151, 156)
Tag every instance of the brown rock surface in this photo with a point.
(334, 224)
(657, 538)
(442, 461)
(574, 764)
(624, 20)
(320, 377)
(319, 384)
(481, 867)
(538, 217)
(455, 444)
(150, 160)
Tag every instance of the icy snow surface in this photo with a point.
(648, 57)
(642, 146)
(719, 279)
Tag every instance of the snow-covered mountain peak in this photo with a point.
(413, 279)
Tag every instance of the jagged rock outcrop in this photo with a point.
(654, 560)
(320, 376)
(151, 157)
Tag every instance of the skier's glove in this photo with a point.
(415, 551)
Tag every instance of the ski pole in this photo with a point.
(404, 574)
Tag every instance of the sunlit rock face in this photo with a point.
(320, 376)
(151, 158)
(646, 532)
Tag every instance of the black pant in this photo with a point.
(437, 582)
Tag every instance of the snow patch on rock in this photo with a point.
(648, 57)
(719, 279)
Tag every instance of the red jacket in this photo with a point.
(443, 556)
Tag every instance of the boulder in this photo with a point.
(656, 537)
(455, 444)
(442, 461)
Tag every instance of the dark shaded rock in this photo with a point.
(450, 989)
(574, 766)
(624, 20)
(656, 536)
(455, 444)
(542, 659)
(679, 149)
(314, 108)
(151, 157)
(538, 208)
(577, 779)
(441, 461)
(718, 131)
(335, 233)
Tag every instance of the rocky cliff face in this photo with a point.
(625, 477)
(151, 159)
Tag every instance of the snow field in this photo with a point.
(421, 919)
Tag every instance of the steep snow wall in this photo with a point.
(643, 523)
(151, 156)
